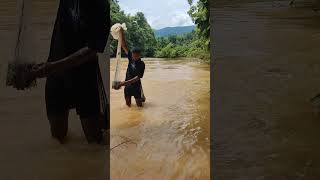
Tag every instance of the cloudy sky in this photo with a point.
(160, 13)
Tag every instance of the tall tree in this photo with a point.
(201, 17)
(139, 34)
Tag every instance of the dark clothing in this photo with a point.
(79, 24)
(133, 91)
(73, 90)
(135, 68)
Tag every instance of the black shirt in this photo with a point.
(79, 23)
(135, 68)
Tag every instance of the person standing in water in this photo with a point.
(135, 71)
(73, 77)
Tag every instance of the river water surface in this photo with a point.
(169, 137)
(266, 70)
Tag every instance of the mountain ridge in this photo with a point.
(176, 30)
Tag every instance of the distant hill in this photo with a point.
(167, 31)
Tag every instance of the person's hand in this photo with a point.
(121, 31)
(41, 70)
(118, 85)
(22, 77)
(115, 85)
(122, 83)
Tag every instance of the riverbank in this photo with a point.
(266, 70)
(187, 59)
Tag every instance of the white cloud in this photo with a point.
(128, 10)
(160, 14)
(154, 21)
(181, 19)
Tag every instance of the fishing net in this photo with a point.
(19, 68)
(115, 32)
(104, 104)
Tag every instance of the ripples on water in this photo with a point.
(267, 70)
(169, 137)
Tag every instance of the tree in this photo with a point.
(201, 17)
(139, 34)
(185, 45)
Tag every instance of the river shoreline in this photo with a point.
(190, 59)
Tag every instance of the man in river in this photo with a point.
(135, 71)
(72, 71)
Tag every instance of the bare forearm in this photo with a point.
(81, 56)
(123, 42)
(131, 81)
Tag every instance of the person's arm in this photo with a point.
(130, 81)
(79, 57)
(99, 25)
(123, 42)
(135, 79)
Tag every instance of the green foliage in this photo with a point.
(201, 17)
(194, 44)
(186, 45)
(139, 33)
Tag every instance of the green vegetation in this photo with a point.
(140, 34)
(186, 45)
(201, 17)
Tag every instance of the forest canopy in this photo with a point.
(140, 34)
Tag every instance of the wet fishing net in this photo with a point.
(18, 74)
(115, 32)
(104, 104)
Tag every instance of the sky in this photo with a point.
(160, 13)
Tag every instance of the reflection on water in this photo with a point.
(169, 137)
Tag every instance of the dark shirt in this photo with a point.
(79, 23)
(135, 68)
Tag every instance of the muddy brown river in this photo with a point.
(169, 137)
(266, 69)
